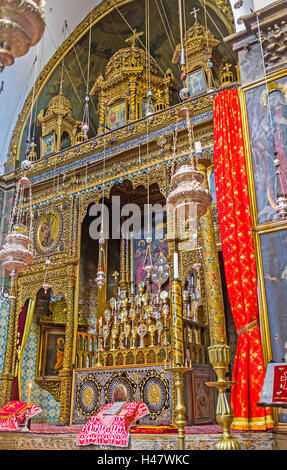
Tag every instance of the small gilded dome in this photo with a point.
(128, 58)
(59, 104)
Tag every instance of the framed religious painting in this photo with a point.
(196, 83)
(51, 351)
(157, 251)
(273, 246)
(48, 232)
(48, 144)
(266, 108)
(116, 115)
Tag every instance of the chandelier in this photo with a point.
(22, 25)
(188, 197)
(17, 252)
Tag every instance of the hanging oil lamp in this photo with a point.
(281, 201)
(22, 25)
(101, 274)
(17, 252)
(188, 197)
(148, 266)
(86, 119)
(45, 285)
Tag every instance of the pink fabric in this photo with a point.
(96, 433)
(12, 424)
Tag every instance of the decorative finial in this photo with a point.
(194, 13)
(132, 39)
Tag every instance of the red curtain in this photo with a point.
(20, 331)
(239, 261)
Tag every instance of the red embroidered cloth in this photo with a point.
(280, 384)
(238, 250)
(14, 413)
(100, 430)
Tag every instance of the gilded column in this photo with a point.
(66, 371)
(211, 268)
(133, 100)
(177, 334)
(102, 115)
(177, 327)
(7, 375)
(219, 351)
(178, 359)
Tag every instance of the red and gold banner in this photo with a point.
(13, 408)
(280, 384)
(239, 261)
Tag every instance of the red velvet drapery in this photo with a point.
(20, 331)
(239, 261)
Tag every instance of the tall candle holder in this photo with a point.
(219, 356)
(26, 427)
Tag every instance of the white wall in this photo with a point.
(258, 4)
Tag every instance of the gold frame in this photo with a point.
(39, 246)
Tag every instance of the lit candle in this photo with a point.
(197, 146)
(30, 384)
(175, 266)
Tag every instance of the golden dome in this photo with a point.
(128, 58)
(59, 104)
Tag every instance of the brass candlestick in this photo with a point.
(219, 356)
(180, 409)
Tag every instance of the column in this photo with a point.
(212, 275)
(177, 366)
(219, 351)
(66, 371)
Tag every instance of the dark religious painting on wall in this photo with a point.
(52, 354)
(196, 83)
(251, 66)
(116, 115)
(48, 144)
(267, 121)
(158, 255)
(274, 258)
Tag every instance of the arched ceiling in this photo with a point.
(108, 36)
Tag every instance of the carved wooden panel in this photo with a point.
(199, 399)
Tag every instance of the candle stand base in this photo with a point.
(219, 356)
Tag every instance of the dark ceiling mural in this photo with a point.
(108, 36)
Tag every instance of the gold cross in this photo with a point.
(227, 67)
(194, 12)
(134, 37)
(115, 276)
